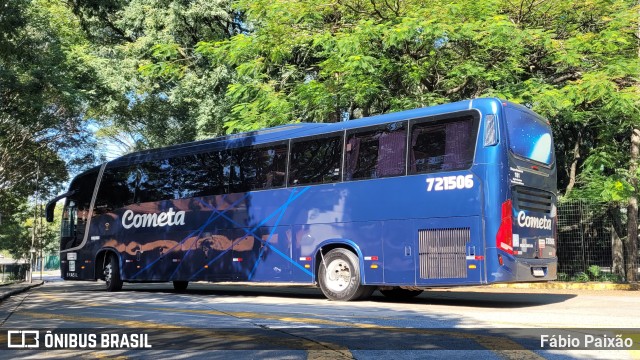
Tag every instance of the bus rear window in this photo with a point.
(529, 136)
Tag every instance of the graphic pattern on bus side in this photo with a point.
(251, 232)
(292, 197)
(214, 216)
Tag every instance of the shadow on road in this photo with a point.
(452, 297)
(489, 299)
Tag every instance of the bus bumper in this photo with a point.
(524, 270)
(527, 270)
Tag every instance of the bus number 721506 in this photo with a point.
(450, 183)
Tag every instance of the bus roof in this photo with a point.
(299, 130)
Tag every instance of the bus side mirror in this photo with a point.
(51, 205)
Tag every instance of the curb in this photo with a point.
(20, 289)
(570, 286)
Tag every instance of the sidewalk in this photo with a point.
(7, 290)
(561, 285)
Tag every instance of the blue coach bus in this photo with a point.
(455, 194)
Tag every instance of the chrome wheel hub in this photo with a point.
(338, 275)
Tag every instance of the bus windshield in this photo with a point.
(529, 136)
(75, 215)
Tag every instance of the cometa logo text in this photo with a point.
(168, 218)
(533, 222)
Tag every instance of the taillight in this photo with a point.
(504, 238)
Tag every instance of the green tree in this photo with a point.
(317, 61)
(45, 90)
(17, 236)
(162, 92)
(595, 107)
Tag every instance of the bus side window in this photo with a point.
(276, 167)
(264, 167)
(117, 189)
(157, 181)
(376, 152)
(316, 160)
(187, 176)
(213, 177)
(442, 145)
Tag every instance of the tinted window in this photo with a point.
(274, 165)
(117, 189)
(529, 137)
(204, 174)
(214, 175)
(155, 181)
(376, 152)
(183, 177)
(83, 187)
(187, 176)
(258, 168)
(442, 145)
(315, 161)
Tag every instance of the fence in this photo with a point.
(18, 272)
(13, 272)
(589, 240)
(51, 262)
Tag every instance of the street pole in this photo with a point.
(31, 251)
(35, 221)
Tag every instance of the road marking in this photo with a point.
(102, 355)
(294, 342)
(504, 347)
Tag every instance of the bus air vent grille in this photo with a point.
(443, 253)
(532, 200)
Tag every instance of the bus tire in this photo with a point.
(400, 293)
(341, 280)
(179, 285)
(112, 274)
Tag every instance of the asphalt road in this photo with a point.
(223, 321)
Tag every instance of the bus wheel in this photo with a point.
(112, 274)
(339, 277)
(180, 285)
(400, 293)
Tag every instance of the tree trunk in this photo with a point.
(632, 209)
(617, 243)
(574, 164)
(617, 254)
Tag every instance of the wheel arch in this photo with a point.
(101, 257)
(328, 245)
